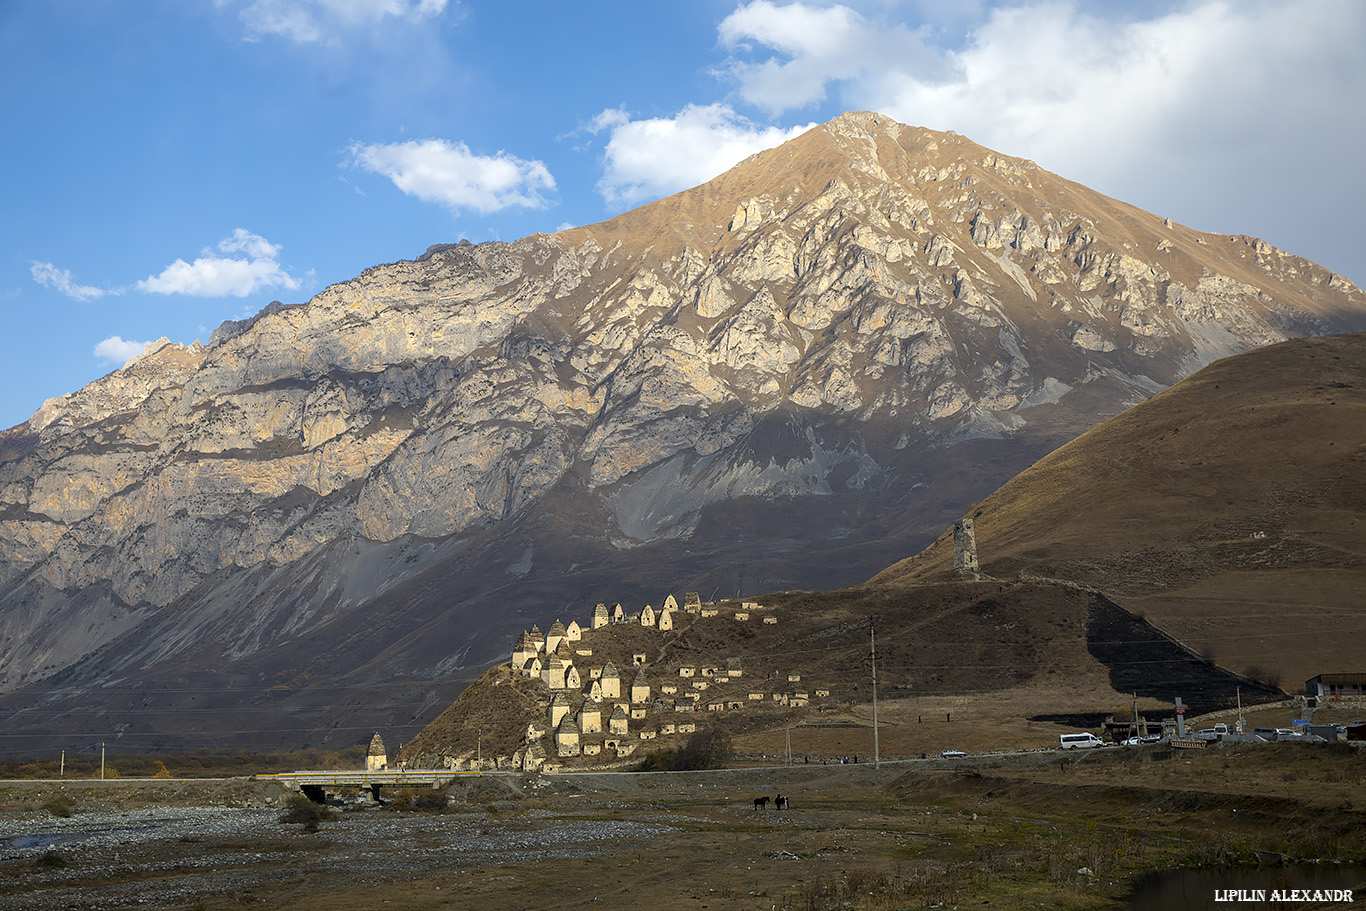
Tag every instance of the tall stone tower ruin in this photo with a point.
(965, 550)
(376, 758)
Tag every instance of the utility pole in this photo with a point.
(62, 773)
(789, 744)
(101, 760)
(872, 644)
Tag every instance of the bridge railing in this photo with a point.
(413, 777)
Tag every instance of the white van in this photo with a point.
(1214, 733)
(1079, 741)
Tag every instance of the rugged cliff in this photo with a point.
(786, 377)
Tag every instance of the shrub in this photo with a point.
(300, 810)
(423, 800)
(59, 806)
(51, 860)
(658, 762)
(704, 750)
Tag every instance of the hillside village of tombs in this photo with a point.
(589, 715)
(626, 679)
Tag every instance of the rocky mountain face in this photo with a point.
(787, 377)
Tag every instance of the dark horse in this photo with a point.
(780, 803)
(760, 802)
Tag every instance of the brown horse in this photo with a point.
(760, 802)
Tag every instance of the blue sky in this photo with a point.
(170, 164)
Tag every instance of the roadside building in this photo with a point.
(1336, 687)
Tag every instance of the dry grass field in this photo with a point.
(1032, 831)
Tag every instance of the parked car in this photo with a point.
(1141, 741)
(952, 754)
(1274, 733)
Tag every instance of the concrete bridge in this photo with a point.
(314, 784)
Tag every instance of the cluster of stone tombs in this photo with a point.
(590, 710)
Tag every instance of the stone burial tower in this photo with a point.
(376, 758)
(965, 551)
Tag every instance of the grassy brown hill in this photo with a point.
(1230, 510)
(969, 665)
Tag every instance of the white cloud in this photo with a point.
(434, 170)
(221, 276)
(646, 159)
(254, 245)
(115, 350)
(313, 21)
(822, 44)
(49, 276)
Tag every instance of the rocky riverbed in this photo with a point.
(105, 857)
